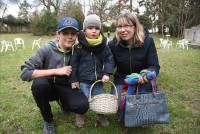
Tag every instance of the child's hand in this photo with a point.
(66, 70)
(74, 85)
(105, 78)
(143, 80)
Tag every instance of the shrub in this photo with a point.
(45, 24)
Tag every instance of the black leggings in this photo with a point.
(45, 90)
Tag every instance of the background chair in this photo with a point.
(2, 43)
(161, 42)
(179, 44)
(8, 46)
(169, 44)
(19, 42)
(183, 44)
(166, 43)
(186, 44)
(36, 43)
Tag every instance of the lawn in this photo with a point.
(179, 78)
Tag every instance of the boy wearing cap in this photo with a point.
(92, 60)
(50, 70)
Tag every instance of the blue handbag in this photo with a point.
(144, 109)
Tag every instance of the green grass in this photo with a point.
(179, 78)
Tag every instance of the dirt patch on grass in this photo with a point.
(195, 104)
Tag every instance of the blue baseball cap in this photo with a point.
(67, 22)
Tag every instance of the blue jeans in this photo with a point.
(85, 88)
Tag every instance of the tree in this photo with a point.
(24, 10)
(72, 8)
(3, 9)
(101, 8)
(174, 14)
(52, 6)
(195, 11)
(145, 21)
(45, 24)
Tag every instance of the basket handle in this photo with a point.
(90, 96)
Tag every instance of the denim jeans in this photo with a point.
(85, 88)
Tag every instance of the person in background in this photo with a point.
(50, 71)
(133, 50)
(92, 61)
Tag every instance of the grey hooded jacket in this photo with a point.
(49, 56)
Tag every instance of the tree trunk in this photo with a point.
(1, 23)
(162, 31)
(131, 7)
(181, 21)
(186, 17)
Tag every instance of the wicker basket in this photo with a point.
(104, 103)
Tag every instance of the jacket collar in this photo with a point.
(97, 48)
(54, 44)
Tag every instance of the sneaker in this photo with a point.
(80, 120)
(101, 119)
(48, 128)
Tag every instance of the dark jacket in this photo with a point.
(133, 60)
(90, 63)
(48, 56)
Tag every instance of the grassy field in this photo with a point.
(179, 78)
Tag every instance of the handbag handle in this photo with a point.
(153, 85)
(90, 96)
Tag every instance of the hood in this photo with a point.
(54, 45)
(82, 40)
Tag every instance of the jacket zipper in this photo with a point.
(95, 68)
(130, 59)
(54, 79)
(64, 59)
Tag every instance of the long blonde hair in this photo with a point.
(138, 36)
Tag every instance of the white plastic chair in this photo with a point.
(161, 42)
(179, 44)
(8, 46)
(36, 43)
(182, 44)
(169, 44)
(166, 43)
(186, 44)
(2, 43)
(19, 42)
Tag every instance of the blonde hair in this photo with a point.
(138, 36)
